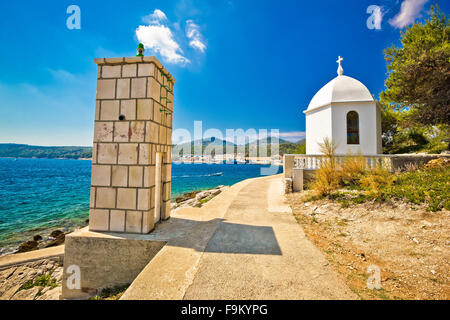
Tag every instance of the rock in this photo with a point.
(317, 210)
(27, 246)
(58, 274)
(50, 265)
(288, 185)
(59, 240)
(186, 196)
(56, 233)
(202, 195)
(51, 294)
(29, 294)
(197, 205)
(37, 237)
(5, 274)
(10, 292)
(192, 199)
(426, 224)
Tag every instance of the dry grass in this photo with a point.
(327, 177)
(352, 182)
(376, 179)
(353, 171)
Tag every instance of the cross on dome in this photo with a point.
(340, 70)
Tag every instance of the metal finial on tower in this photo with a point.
(340, 70)
(140, 50)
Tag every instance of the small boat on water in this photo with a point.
(217, 174)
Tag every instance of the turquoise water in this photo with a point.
(38, 195)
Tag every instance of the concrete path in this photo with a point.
(26, 257)
(244, 244)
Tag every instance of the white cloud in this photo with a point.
(155, 18)
(293, 134)
(409, 11)
(248, 137)
(159, 38)
(195, 37)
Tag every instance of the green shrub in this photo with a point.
(44, 280)
(429, 185)
(376, 180)
(422, 186)
(111, 293)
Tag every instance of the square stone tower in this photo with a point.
(131, 160)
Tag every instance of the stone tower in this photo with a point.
(131, 161)
(131, 174)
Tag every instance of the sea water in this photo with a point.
(39, 195)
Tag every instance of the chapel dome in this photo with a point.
(340, 89)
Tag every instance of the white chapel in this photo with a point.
(345, 112)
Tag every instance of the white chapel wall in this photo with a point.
(318, 126)
(368, 133)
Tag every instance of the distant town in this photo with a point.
(239, 158)
(204, 151)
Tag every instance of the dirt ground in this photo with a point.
(409, 245)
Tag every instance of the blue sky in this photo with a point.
(238, 64)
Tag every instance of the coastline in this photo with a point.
(29, 267)
(46, 158)
(173, 163)
(46, 205)
(191, 199)
(46, 239)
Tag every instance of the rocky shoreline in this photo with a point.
(41, 280)
(41, 240)
(56, 237)
(196, 199)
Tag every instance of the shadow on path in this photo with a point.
(227, 238)
(244, 239)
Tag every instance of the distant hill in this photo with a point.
(253, 148)
(12, 150)
(284, 147)
(205, 143)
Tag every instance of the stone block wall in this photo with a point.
(133, 122)
(402, 161)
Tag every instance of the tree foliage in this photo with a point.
(418, 80)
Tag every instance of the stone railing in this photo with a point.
(299, 168)
(313, 162)
(390, 162)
